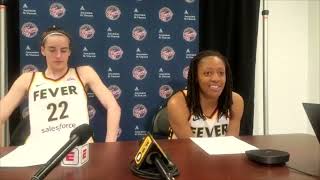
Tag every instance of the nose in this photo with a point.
(215, 77)
(58, 54)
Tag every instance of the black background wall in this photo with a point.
(231, 27)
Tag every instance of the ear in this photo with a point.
(42, 51)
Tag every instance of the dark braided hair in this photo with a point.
(54, 30)
(193, 96)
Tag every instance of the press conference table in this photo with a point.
(111, 161)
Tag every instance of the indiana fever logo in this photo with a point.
(115, 90)
(29, 30)
(189, 34)
(185, 72)
(165, 14)
(167, 53)
(115, 52)
(86, 31)
(139, 72)
(57, 10)
(139, 111)
(92, 112)
(165, 91)
(139, 33)
(29, 68)
(113, 12)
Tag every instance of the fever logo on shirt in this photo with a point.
(29, 30)
(57, 10)
(113, 12)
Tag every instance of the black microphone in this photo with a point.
(151, 162)
(156, 159)
(78, 136)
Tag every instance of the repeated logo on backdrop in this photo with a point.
(115, 52)
(29, 30)
(113, 12)
(57, 10)
(86, 31)
(167, 53)
(140, 49)
(139, 33)
(165, 14)
(115, 90)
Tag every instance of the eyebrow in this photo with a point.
(52, 47)
(210, 68)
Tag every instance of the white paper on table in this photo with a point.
(223, 145)
(31, 154)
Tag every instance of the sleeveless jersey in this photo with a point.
(56, 107)
(210, 127)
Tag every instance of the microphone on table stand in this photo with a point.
(78, 136)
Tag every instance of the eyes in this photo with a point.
(55, 50)
(210, 73)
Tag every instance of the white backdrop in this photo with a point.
(293, 64)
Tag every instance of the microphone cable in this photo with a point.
(152, 172)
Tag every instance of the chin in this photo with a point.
(215, 94)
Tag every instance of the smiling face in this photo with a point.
(56, 50)
(211, 77)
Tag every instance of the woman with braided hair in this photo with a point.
(209, 107)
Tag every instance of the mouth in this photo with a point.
(58, 61)
(214, 87)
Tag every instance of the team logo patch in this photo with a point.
(165, 14)
(57, 10)
(29, 68)
(115, 52)
(113, 12)
(115, 90)
(139, 72)
(167, 53)
(165, 91)
(71, 79)
(86, 31)
(29, 30)
(139, 33)
(92, 111)
(185, 72)
(189, 34)
(139, 111)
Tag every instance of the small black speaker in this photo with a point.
(268, 156)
